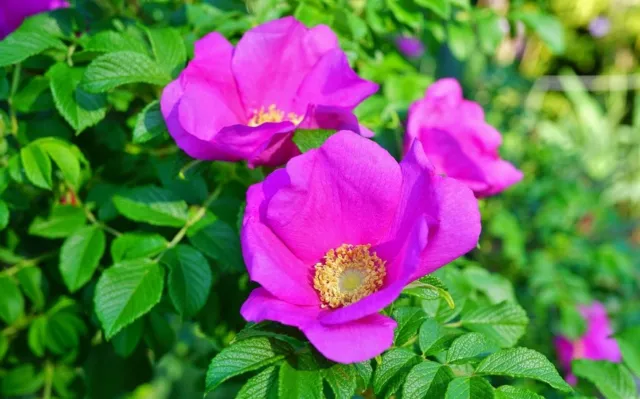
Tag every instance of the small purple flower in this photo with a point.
(595, 344)
(599, 27)
(409, 46)
(12, 13)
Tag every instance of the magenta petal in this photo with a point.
(399, 272)
(329, 117)
(598, 344)
(246, 142)
(564, 350)
(286, 51)
(169, 105)
(270, 262)
(344, 192)
(12, 13)
(333, 82)
(502, 175)
(354, 341)
(261, 305)
(449, 206)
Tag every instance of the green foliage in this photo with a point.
(121, 267)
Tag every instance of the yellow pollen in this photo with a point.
(272, 114)
(348, 274)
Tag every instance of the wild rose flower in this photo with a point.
(245, 102)
(458, 141)
(12, 13)
(335, 236)
(595, 344)
(409, 46)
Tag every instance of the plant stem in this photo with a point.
(191, 221)
(10, 271)
(48, 380)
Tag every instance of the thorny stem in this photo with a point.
(193, 220)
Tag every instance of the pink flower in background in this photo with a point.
(335, 236)
(13, 12)
(458, 140)
(409, 46)
(595, 344)
(244, 103)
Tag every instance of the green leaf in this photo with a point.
(11, 300)
(429, 288)
(4, 346)
(299, 383)
(220, 242)
(522, 363)
(4, 215)
(612, 379)
(149, 124)
(137, 245)
(394, 366)
(19, 46)
(190, 279)
(127, 291)
(434, 338)
(365, 371)
(469, 388)
(427, 380)
(34, 96)
(503, 323)
(628, 342)
(110, 41)
(263, 385)
(64, 327)
(65, 156)
(168, 49)
(21, 381)
(37, 166)
(122, 67)
(152, 205)
(509, 392)
(308, 139)
(490, 33)
(547, 27)
(38, 335)
(461, 40)
(80, 255)
(125, 342)
(442, 8)
(78, 107)
(342, 379)
(409, 321)
(469, 346)
(30, 279)
(242, 357)
(62, 222)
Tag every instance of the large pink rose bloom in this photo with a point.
(458, 140)
(244, 103)
(595, 344)
(335, 236)
(13, 12)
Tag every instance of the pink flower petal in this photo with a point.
(196, 148)
(261, 305)
(354, 341)
(333, 82)
(270, 262)
(344, 192)
(272, 60)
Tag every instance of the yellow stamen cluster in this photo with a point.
(348, 274)
(272, 114)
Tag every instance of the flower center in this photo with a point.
(272, 114)
(348, 274)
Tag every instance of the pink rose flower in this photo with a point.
(595, 344)
(12, 13)
(335, 236)
(458, 140)
(244, 103)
